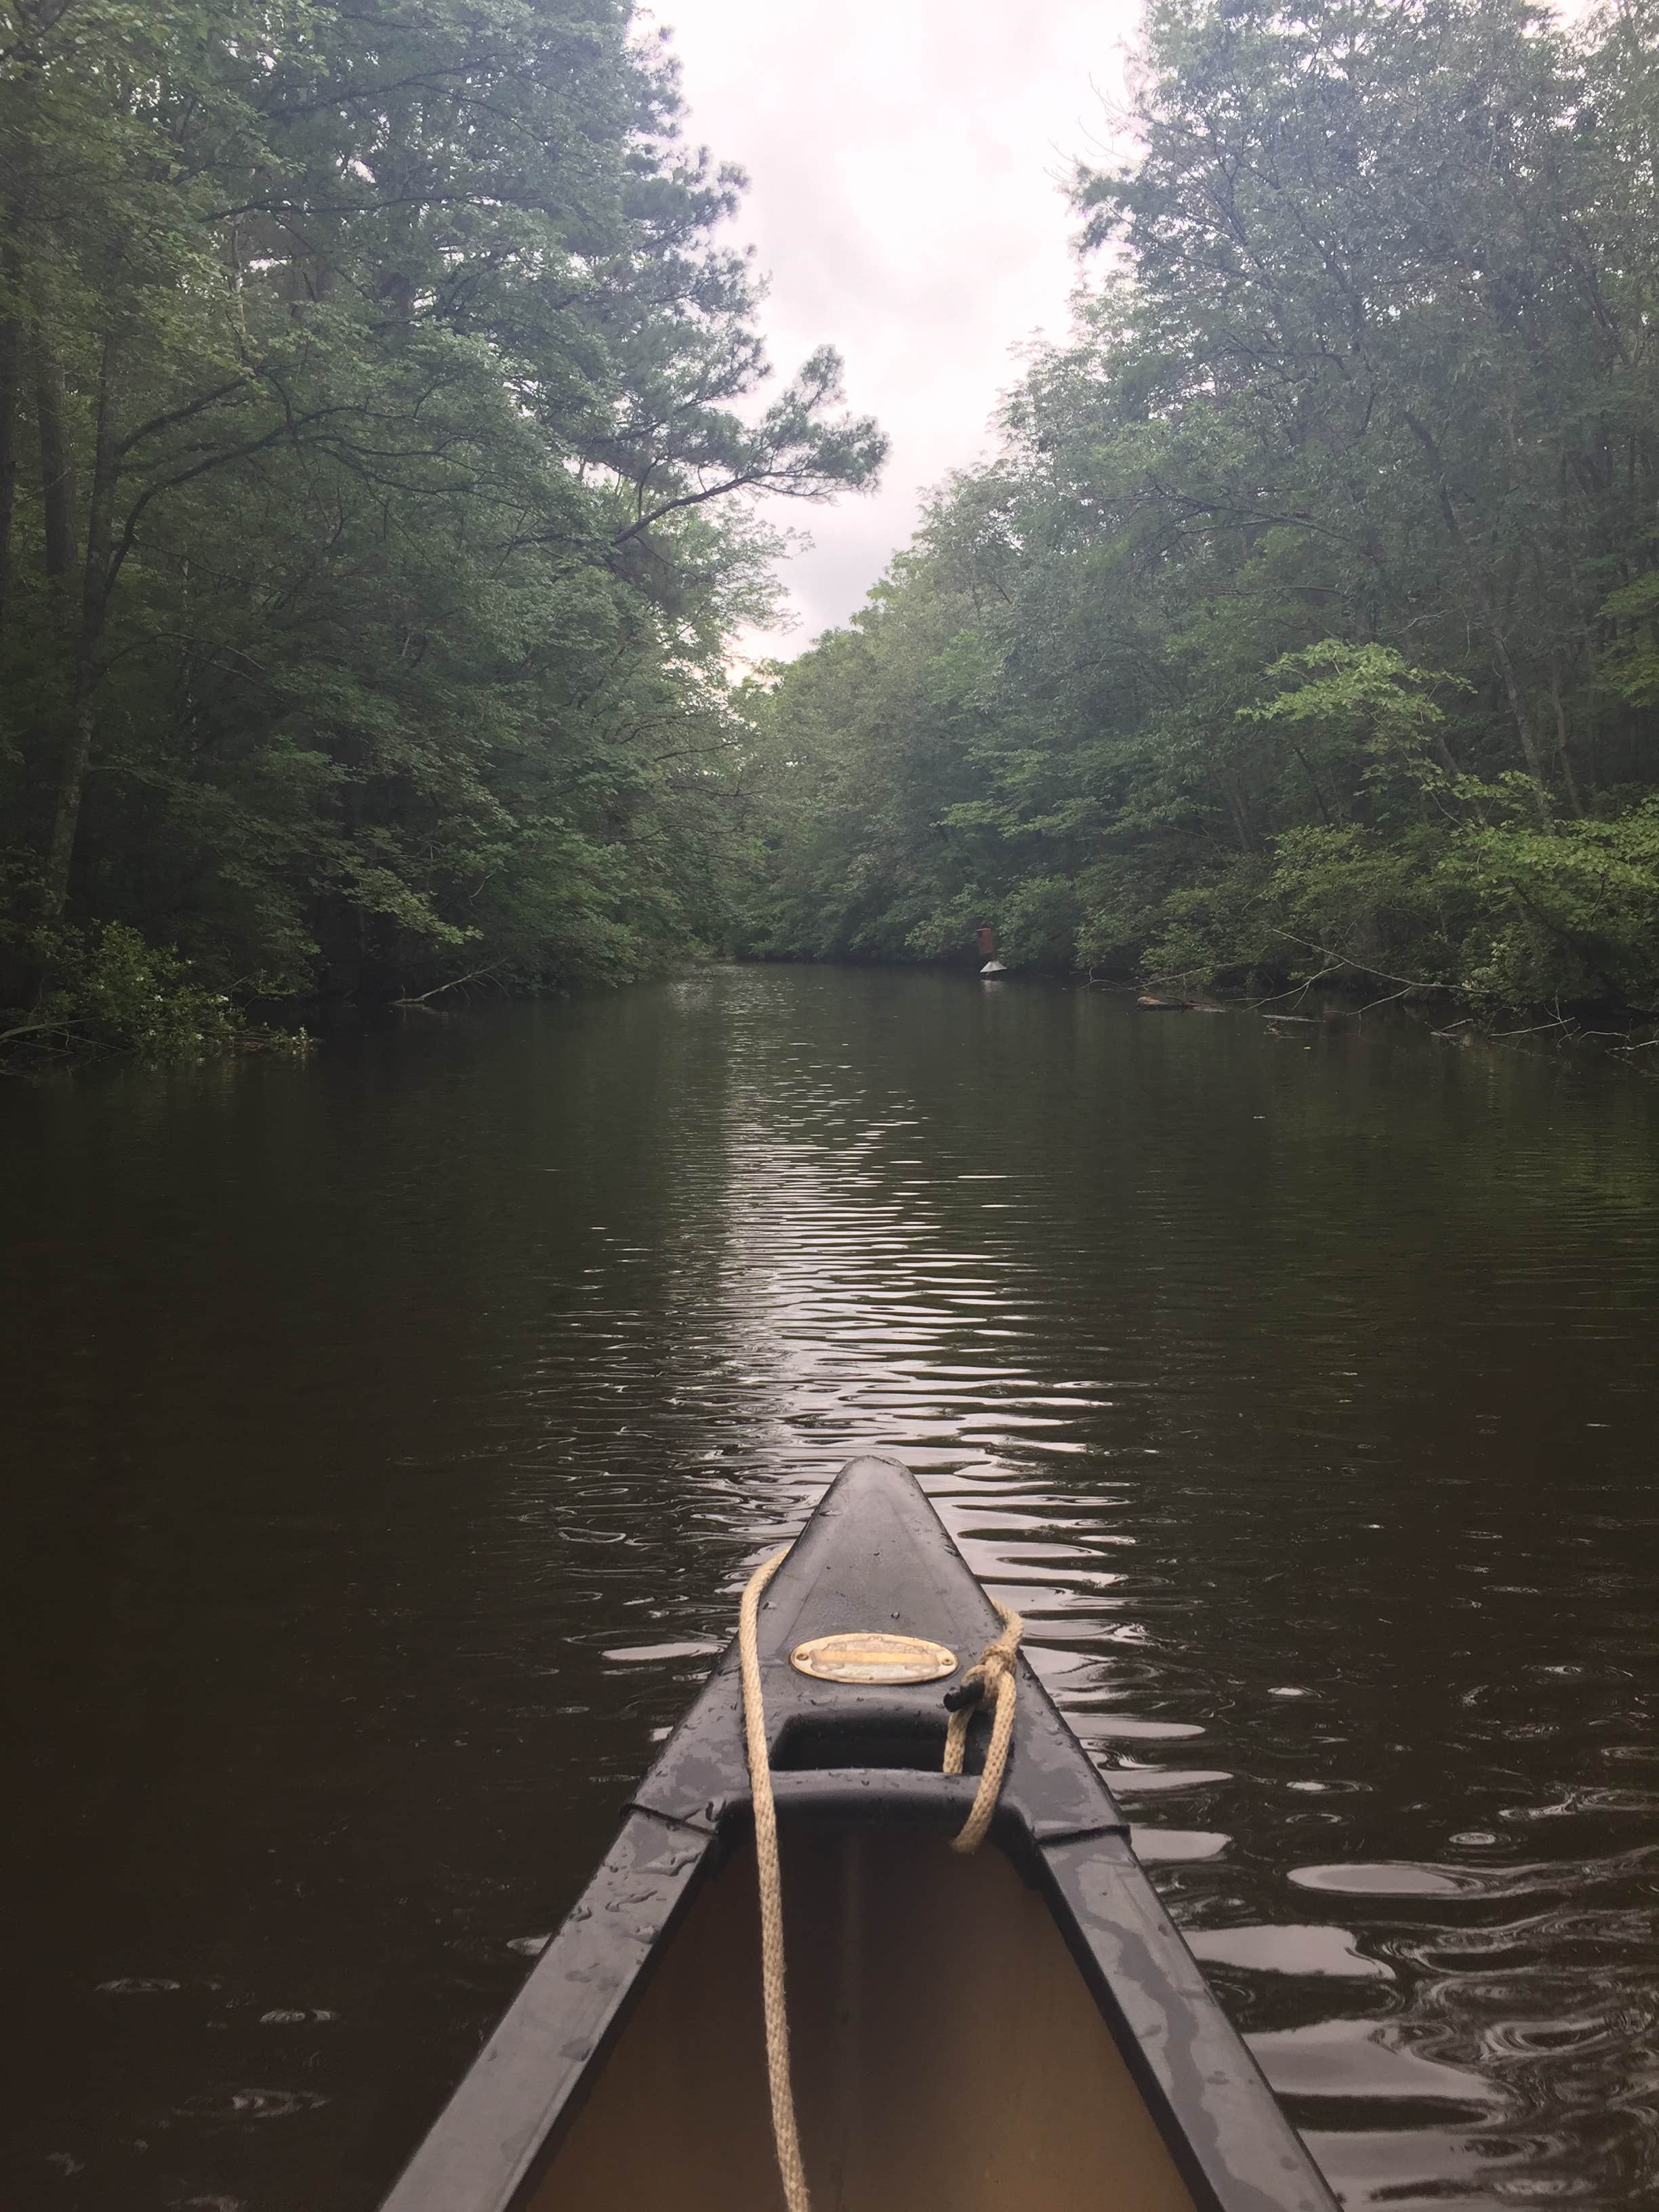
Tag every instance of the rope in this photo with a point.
(790, 2169)
(991, 1676)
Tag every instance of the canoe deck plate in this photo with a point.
(869, 1655)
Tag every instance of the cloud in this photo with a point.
(905, 160)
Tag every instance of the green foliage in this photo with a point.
(1308, 623)
(1577, 913)
(1631, 657)
(384, 450)
(1039, 923)
(105, 985)
(1215, 931)
(1363, 703)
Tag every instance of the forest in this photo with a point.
(379, 426)
(1307, 625)
(384, 429)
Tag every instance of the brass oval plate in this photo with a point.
(869, 1655)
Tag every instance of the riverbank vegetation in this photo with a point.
(1308, 623)
(377, 424)
(380, 419)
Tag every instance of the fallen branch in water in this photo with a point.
(65, 1035)
(1537, 1028)
(33, 1029)
(1340, 959)
(420, 998)
(1297, 991)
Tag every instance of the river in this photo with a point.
(390, 1432)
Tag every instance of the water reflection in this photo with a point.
(405, 1424)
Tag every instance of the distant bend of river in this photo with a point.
(389, 1433)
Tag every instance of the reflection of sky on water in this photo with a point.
(892, 1287)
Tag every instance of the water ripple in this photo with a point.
(1304, 1411)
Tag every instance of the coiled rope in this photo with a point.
(991, 1676)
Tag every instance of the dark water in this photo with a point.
(387, 1436)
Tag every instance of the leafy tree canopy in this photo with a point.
(1309, 622)
(375, 470)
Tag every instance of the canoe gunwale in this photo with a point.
(875, 1547)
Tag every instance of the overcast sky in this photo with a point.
(905, 160)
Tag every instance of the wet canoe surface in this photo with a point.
(1021, 2026)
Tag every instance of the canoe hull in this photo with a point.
(1022, 2028)
(937, 2024)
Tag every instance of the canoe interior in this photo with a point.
(947, 2052)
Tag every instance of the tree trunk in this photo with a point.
(94, 608)
(1567, 776)
(1229, 790)
(11, 378)
(1324, 811)
(1531, 751)
(77, 755)
(57, 470)
(10, 359)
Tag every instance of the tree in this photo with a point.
(366, 610)
(1323, 552)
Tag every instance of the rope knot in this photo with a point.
(991, 1680)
